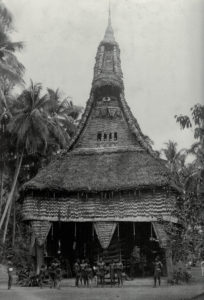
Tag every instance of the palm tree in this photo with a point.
(5, 115)
(11, 72)
(29, 130)
(9, 64)
(175, 158)
(63, 115)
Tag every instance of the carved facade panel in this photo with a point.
(108, 112)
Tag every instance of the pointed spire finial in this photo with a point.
(109, 13)
(109, 35)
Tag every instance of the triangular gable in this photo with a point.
(132, 123)
(105, 231)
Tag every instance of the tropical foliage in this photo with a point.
(9, 64)
(187, 238)
(39, 126)
(33, 127)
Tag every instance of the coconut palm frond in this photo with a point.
(30, 123)
(6, 45)
(5, 17)
(11, 68)
(42, 102)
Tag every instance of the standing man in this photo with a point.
(101, 271)
(77, 271)
(119, 272)
(157, 271)
(42, 275)
(58, 276)
(52, 274)
(89, 272)
(84, 272)
(112, 268)
(10, 274)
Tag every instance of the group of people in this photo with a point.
(54, 272)
(86, 275)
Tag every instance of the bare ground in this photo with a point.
(138, 289)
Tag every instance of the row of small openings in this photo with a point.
(107, 136)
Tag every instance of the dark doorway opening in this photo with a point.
(134, 243)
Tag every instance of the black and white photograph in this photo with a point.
(102, 149)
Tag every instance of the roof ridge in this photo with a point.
(135, 128)
(82, 122)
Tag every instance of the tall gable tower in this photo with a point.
(109, 151)
(107, 121)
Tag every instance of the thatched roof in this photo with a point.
(97, 171)
(111, 168)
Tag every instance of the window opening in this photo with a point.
(105, 136)
(110, 136)
(115, 136)
(99, 136)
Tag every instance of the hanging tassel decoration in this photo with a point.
(45, 249)
(92, 231)
(75, 234)
(151, 234)
(52, 230)
(84, 249)
(59, 247)
(75, 230)
(134, 229)
(74, 245)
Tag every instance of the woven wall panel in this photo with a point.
(147, 207)
(105, 231)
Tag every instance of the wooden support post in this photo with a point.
(169, 263)
(39, 257)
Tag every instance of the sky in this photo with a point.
(162, 54)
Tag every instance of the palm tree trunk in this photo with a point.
(6, 225)
(14, 224)
(1, 188)
(10, 197)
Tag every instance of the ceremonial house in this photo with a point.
(108, 193)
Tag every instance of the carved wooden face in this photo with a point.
(106, 99)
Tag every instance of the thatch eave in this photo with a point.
(101, 171)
